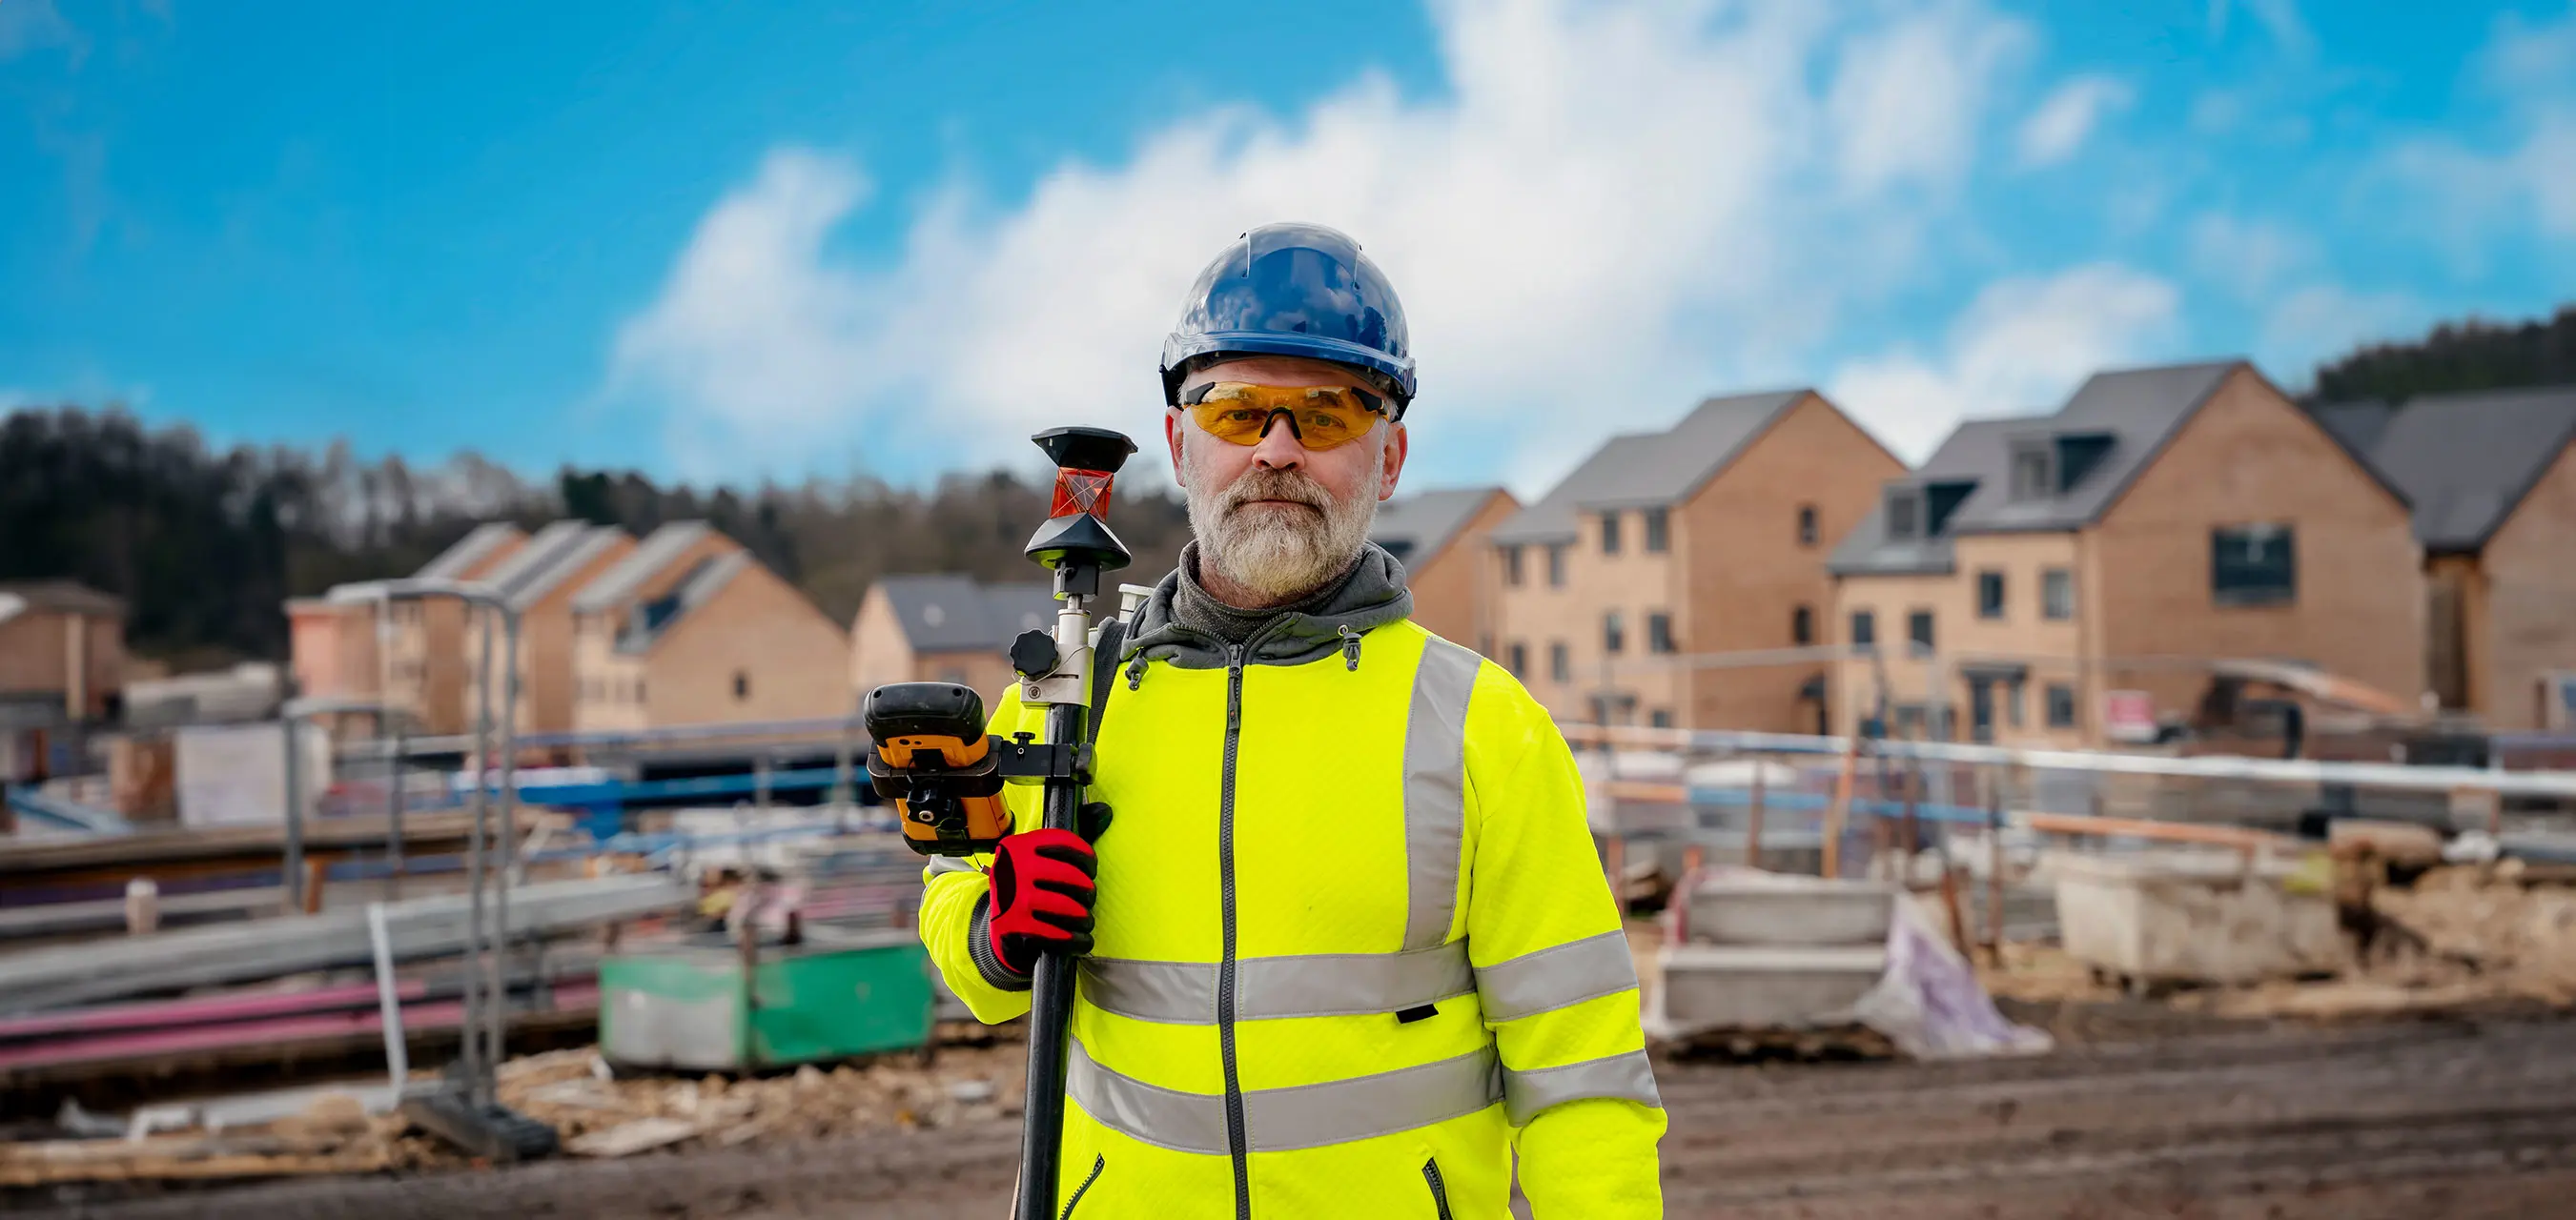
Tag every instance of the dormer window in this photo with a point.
(2034, 476)
(1904, 514)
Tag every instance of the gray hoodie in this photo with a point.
(1369, 597)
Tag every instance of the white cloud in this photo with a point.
(27, 25)
(2279, 18)
(2060, 125)
(2531, 177)
(2248, 257)
(1615, 208)
(2324, 320)
(2020, 347)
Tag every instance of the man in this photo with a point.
(1348, 945)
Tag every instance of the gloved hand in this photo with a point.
(1041, 891)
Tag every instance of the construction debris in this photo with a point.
(61, 976)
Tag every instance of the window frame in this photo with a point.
(1512, 571)
(1809, 531)
(1863, 626)
(1614, 632)
(1659, 633)
(1927, 639)
(1518, 653)
(1658, 529)
(1610, 532)
(2074, 717)
(1802, 625)
(2057, 610)
(1908, 526)
(1556, 565)
(2236, 592)
(1991, 581)
(1560, 662)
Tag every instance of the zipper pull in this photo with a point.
(1136, 672)
(1350, 646)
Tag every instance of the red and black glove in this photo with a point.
(1040, 898)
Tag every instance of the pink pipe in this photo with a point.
(431, 1015)
(185, 1012)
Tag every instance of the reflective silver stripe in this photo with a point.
(1557, 976)
(1315, 985)
(943, 865)
(1629, 1076)
(1435, 789)
(1280, 1120)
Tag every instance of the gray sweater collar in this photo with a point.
(1184, 624)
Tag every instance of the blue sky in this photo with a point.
(729, 242)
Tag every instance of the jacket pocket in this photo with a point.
(1439, 1189)
(1100, 1161)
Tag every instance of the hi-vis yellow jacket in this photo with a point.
(1353, 946)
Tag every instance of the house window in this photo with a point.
(2253, 565)
(1918, 629)
(2061, 706)
(1806, 525)
(2013, 701)
(1519, 662)
(1659, 531)
(1512, 566)
(1904, 515)
(741, 685)
(2030, 474)
(1802, 626)
(1864, 628)
(1556, 566)
(1609, 533)
(1614, 633)
(1990, 595)
(1661, 718)
(1659, 633)
(2056, 593)
(1560, 662)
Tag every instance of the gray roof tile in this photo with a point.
(477, 545)
(2359, 425)
(1417, 527)
(650, 621)
(945, 612)
(1642, 470)
(658, 551)
(2467, 460)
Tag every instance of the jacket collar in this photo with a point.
(1374, 596)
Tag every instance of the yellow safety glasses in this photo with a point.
(1320, 417)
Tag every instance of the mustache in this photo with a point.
(1260, 484)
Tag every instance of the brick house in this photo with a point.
(2162, 518)
(424, 668)
(62, 664)
(1707, 537)
(2493, 478)
(539, 581)
(689, 628)
(943, 628)
(1441, 539)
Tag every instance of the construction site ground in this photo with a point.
(2163, 1115)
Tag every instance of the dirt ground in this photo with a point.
(2452, 1118)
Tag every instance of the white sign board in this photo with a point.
(2128, 715)
(235, 774)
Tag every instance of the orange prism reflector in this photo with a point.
(1081, 491)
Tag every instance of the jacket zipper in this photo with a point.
(1439, 1189)
(1101, 1159)
(1235, 1137)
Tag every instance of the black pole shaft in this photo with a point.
(1050, 1010)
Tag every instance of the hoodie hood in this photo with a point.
(1373, 596)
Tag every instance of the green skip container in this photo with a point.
(699, 1005)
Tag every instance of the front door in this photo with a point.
(1981, 710)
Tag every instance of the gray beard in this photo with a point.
(1280, 553)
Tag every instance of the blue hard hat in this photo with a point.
(1294, 290)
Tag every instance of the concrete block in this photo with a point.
(2194, 917)
(1786, 910)
(1704, 987)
